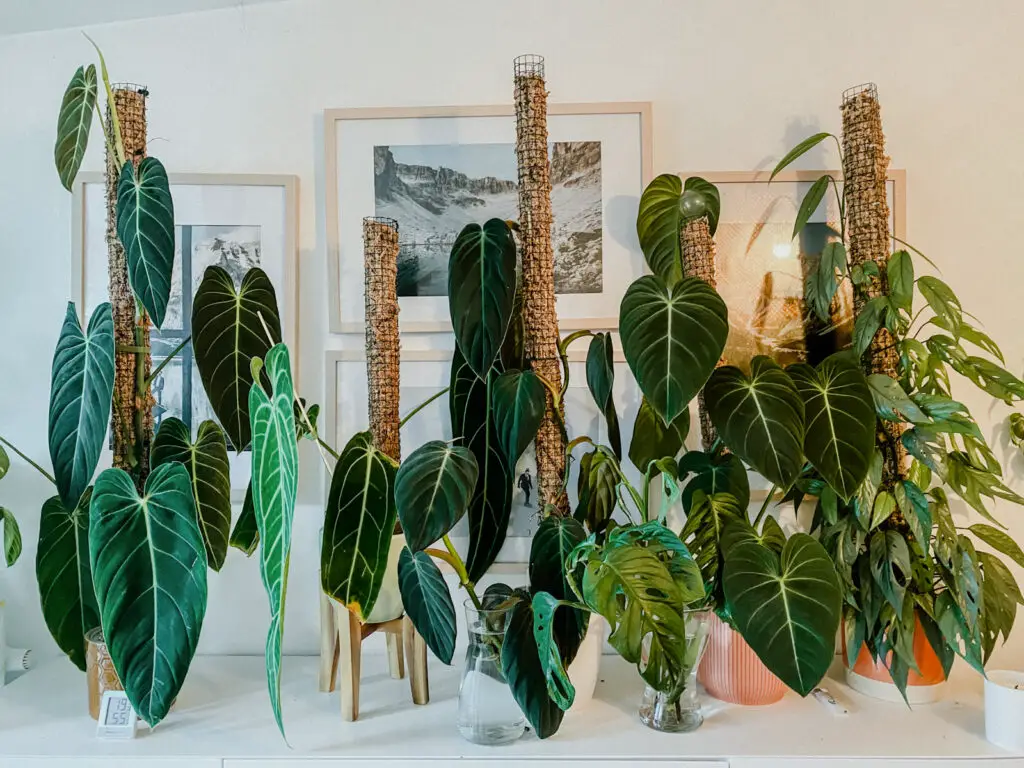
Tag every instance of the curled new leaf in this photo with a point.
(600, 379)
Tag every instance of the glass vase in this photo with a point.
(488, 714)
(99, 670)
(664, 712)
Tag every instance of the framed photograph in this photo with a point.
(233, 221)
(434, 170)
(760, 267)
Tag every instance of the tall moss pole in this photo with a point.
(132, 415)
(698, 249)
(540, 322)
(865, 168)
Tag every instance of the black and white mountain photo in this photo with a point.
(434, 190)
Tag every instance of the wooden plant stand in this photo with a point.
(341, 638)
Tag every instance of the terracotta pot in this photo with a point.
(732, 672)
(872, 678)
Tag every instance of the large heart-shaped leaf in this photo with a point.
(275, 475)
(358, 525)
(665, 206)
(427, 601)
(518, 402)
(149, 571)
(246, 536)
(600, 381)
(64, 576)
(145, 226)
(840, 420)
(722, 473)
(81, 389)
(760, 417)
(227, 333)
(653, 440)
(672, 338)
(522, 668)
(73, 124)
(473, 424)
(433, 488)
(206, 461)
(481, 290)
(787, 609)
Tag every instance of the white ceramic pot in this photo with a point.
(389, 601)
(1004, 709)
(586, 667)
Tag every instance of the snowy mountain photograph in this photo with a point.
(434, 190)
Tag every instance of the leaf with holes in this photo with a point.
(840, 420)
(942, 300)
(149, 571)
(427, 602)
(999, 541)
(432, 490)
(522, 667)
(227, 333)
(518, 401)
(890, 566)
(672, 338)
(666, 205)
(653, 440)
(545, 632)
(12, 536)
(81, 389)
(723, 473)
(73, 124)
(206, 461)
(555, 539)
(760, 417)
(787, 608)
(600, 381)
(892, 403)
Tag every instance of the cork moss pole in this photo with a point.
(538, 267)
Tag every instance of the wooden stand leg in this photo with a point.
(350, 641)
(416, 658)
(396, 660)
(328, 645)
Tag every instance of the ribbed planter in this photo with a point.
(872, 678)
(732, 672)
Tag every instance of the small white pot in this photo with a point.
(1004, 709)
(586, 667)
(389, 601)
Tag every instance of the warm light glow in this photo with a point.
(782, 250)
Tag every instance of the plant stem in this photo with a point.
(421, 406)
(326, 447)
(460, 568)
(563, 354)
(141, 392)
(118, 143)
(28, 461)
(165, 361)
(764, 507)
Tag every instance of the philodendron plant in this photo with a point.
(903, 560)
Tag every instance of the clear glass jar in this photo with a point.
(683, 714)
(99, 670)
(488, 714)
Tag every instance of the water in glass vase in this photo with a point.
(487, 712)
(681, 714)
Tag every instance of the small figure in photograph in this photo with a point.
(525, 484)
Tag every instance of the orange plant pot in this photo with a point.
(731, 671)
(872, 677)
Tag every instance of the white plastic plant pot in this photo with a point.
(586, 667)
(1004, 709)
(389, 601)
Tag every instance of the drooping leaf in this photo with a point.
(869, 320)
(810, 203)
(518, 402)
(596, 489)
(672, 338)
(545, 623)
(275, 474)
(999, 541)
(800, 149)
(432, 490)
(760, 417)
(481, 291)
(900, 271)
(665, 206)
(912, 502)
(206, 461)
(73, 124)
(942, 300)
(145, 226)
(246, 535)
(600, 378)
(723, 473)
(555, 539)
(786, 608)
(12, 537)
(5, 463)
(521, 666)
(64, 575)
(227, 333)
(840, 419)
(81, 389)
(821, 286)
(892, 403)
(890, 566)
(653, 440)
(427, 602)
(359, 523)
(149, 571)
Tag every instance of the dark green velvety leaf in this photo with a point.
(226, 335)
(427, 602)
(870, 318)
(799, 150)
(665, 206)
(149, 566)
(358, 525)
(672, 338)
(145, 226)
(890, 566)
(81, 389)
(596, 489)
(653, 440)
(518, 402)
(522, 668)
(433, 488)
(900, 271)
(206, 461)
(840, 417)
(73, 124)
(481, 291)
(64, 575)
(810, 203)
(892, 403)
(600, 380)
(246, 536)
(760, 417)
(12, 537)
(714, 474)
(787, 609)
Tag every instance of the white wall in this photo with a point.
(734, 84)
